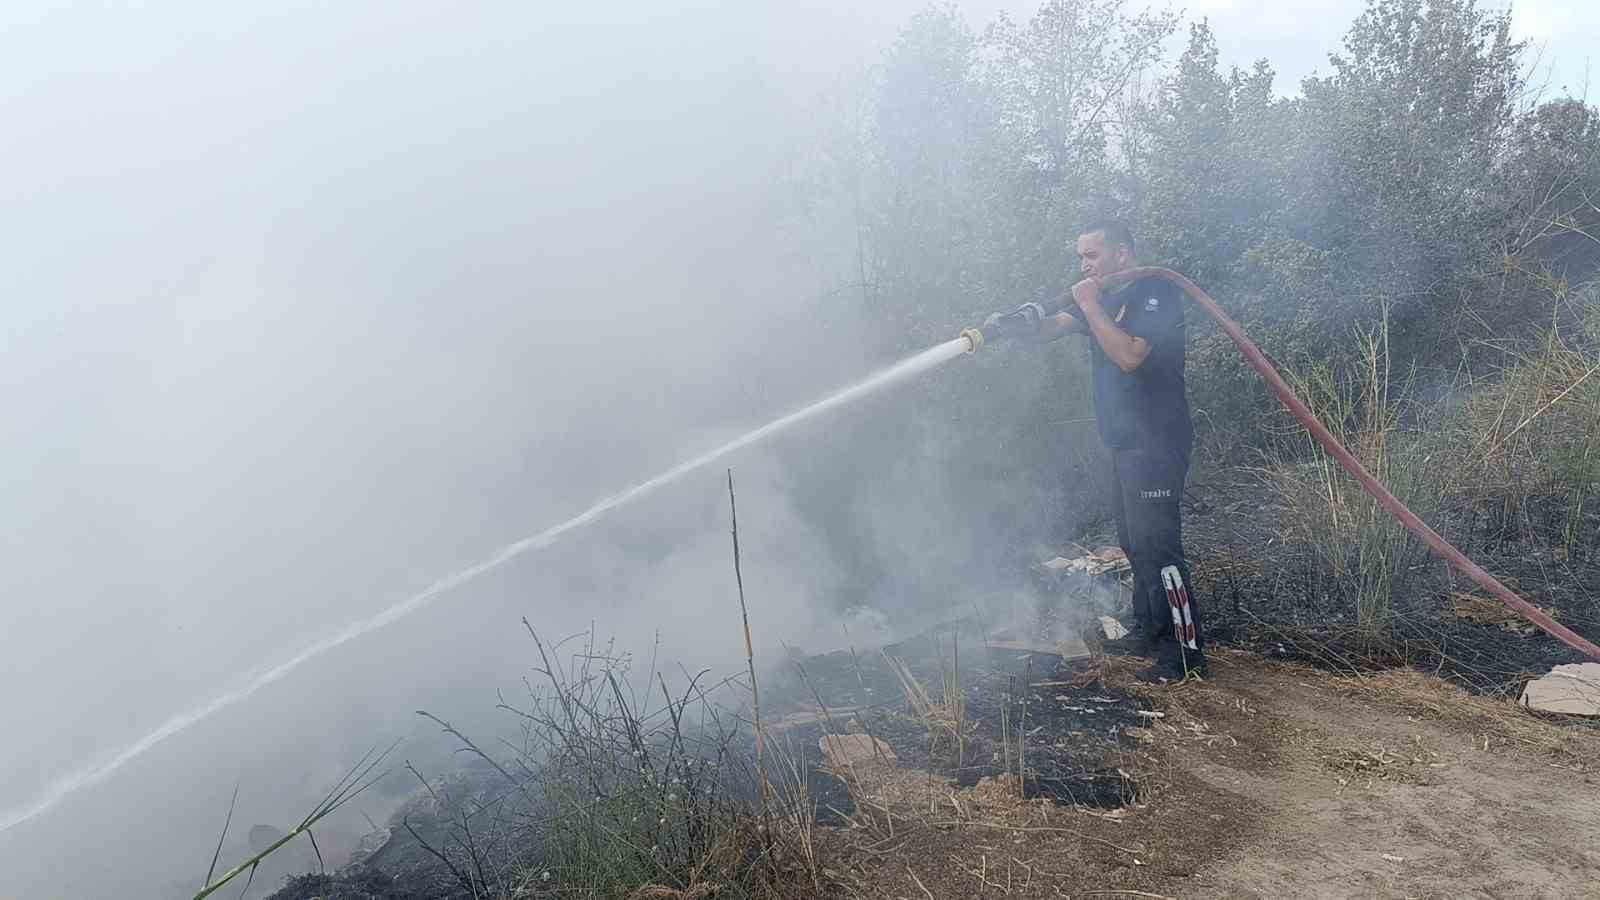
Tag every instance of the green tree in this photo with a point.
(1412, 124)
(1061, 82)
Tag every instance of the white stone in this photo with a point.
(1572, 689)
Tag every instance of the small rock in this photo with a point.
(1572, 689)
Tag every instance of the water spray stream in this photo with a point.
(65, 787)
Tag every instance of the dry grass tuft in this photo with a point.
(1491, 721)
(945, 718)
(658, 892)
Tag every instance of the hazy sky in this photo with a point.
(304, 305)
(1298, 36)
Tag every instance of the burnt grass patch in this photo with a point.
(1070, 725)
(1257, 595)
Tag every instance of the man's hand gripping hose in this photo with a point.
(1024, 324)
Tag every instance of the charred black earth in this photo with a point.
(1054, 712)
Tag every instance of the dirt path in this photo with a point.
(1398, 788)
(1276, 781)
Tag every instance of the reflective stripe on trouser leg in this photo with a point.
(1178, 599)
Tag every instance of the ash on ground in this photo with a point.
(985, 696)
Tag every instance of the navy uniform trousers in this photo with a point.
(1147, 487)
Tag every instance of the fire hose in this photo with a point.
(1026, 320)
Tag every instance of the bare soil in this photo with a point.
(1267, 780)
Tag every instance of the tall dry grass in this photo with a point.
(1353, 554)
(1502, 458)
(1525, 441)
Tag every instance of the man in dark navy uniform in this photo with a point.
(1136, 347)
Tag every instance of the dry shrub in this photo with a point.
(1526, 441)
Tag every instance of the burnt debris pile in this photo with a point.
(963, 702)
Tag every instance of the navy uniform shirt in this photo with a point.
(1145, 409)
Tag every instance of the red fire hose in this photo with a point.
(1352, 465)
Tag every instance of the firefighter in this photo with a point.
(1136, 346)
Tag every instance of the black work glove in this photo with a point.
(1024, 324)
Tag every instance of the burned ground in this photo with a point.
(1274, 780)
(1316, 760)
(1252, 578)
(1268, 779)
(1070, 729)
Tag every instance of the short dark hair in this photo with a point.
(1115, 230)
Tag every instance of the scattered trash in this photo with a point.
(812, 716)
(1095, 562)
(1572, 689)
(1394, 859)
(1068, 649)
(1113, 629)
